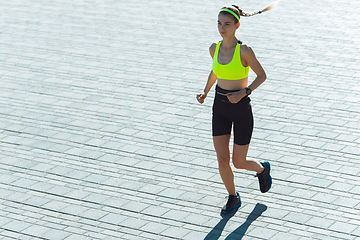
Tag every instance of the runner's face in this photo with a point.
(227, 25)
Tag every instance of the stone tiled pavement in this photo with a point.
(101, 136)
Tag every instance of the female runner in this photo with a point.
(231, 62)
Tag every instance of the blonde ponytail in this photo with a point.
(243, 14)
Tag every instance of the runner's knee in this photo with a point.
(223, 161)
(240, 164)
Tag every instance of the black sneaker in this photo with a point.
(232, 203)
(265, 179)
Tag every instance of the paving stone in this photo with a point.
(134, 223)
(4, 220)
(16, 226)
(343, 227)
(176, 214)
(113, 218)
(97, 198)
(56, 234)
(154, 227)
(35, 230)
(260, 232)
(94, 214)
(282, 235)
(320, 222)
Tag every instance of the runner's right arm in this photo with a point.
(211, 79)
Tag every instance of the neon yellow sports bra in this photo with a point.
(233, 70)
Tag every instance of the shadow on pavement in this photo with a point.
(238, 233)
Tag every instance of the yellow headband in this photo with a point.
(228, 10)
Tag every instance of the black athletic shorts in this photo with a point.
(225, 114)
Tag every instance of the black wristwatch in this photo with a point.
(248, 91)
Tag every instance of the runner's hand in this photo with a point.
(235, 97)
(201, 97)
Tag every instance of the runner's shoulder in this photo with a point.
(212, 49)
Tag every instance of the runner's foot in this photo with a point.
(265, 179)
(232, 203)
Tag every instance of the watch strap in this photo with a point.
(248, 91)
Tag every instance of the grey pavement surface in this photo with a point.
(101, 136)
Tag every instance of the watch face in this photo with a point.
(248, 91)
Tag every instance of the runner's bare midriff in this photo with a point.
(233, 84)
